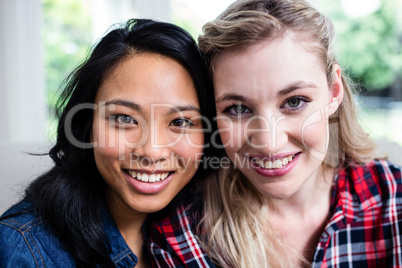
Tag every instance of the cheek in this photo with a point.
(106, 159)
(107, 149)
(232, 134)
(315, 138)
(116, 142)
(189, 149)
(104, 149)
(102, 136)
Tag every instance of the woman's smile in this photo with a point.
(146, 176)
(147, 183)
(274, 166)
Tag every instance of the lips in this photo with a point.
(146, 182)
(148, 177)
(274, 166)
(278, 163)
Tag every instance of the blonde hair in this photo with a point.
(236, 214)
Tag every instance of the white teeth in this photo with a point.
(278, 163)
(260, 163)
(149, 177)
(268, 164)
(144, 177)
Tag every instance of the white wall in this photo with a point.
(107, 12)
(23, 110)
(22, 102)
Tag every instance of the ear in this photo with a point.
(336, 91)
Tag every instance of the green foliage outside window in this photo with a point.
(369, 46)
(66, 39)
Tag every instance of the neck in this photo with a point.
(301, 218)
(129, 222)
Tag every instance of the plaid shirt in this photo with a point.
(364, 228)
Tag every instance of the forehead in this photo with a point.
(270, 64)
(149, 78)
(281, 43)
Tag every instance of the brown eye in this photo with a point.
(181, 122)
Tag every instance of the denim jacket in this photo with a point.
(26, 242)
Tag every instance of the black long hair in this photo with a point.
(70, 196)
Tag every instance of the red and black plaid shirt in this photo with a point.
(364, 228)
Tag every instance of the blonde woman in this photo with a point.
(303, 188)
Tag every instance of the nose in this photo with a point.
(267, 134)
(156, 146)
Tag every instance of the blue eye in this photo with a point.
(124, 119)
(181, 122)
(237, 110)
(295, 103)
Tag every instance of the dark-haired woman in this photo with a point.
(129, 139)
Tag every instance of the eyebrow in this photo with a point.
(136, 107)
(294, 86)
(183, 108)
(125, 103)
(288, 89)
(231, 96)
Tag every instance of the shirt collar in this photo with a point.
(120, 253)
(355, 191)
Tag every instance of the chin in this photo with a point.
(277, 194)
(150, 207)
(282, 196)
